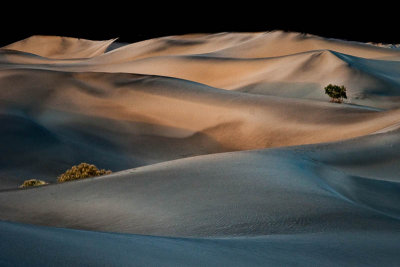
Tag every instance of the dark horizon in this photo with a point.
(131, 37)
(131, 25)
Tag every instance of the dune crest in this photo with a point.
(290, 69)
(60, 47)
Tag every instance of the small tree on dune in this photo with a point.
(336, 93)
(81, 171)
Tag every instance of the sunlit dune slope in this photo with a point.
(124, 120)
(60, 47)
(296, 66)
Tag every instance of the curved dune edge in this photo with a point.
(95, 248)
(57, 47)
(120, 121)
(275, 191)
(371, 82)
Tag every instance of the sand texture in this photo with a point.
(224, 150)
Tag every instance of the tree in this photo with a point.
(336, 93)
(81, 171)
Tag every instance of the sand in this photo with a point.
(66, 247)
(246, 193)
(222, 145)
(57, 47)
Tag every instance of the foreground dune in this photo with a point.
(224, 144)
(301, 189)
(98, 249)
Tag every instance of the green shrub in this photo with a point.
(32, 182)
(336, 93)
(81, 171)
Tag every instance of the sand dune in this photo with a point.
(226, 141)
(94, 248)
(127, 120)
(60, 47)
(238, 193)
(244, 45)
(298, 76)
(308, 64)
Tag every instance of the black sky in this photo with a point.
(132, 22)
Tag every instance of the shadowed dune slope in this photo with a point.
(309, 63)
(370, 82)
(243, 45)
(279, 43)
(225, 45)
(94, 248)
(119, 121)
(250, 193)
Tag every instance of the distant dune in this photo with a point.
(57, 47)
(225, 144)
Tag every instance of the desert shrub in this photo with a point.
(81, 171)
(336, 93)
(32, 182)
